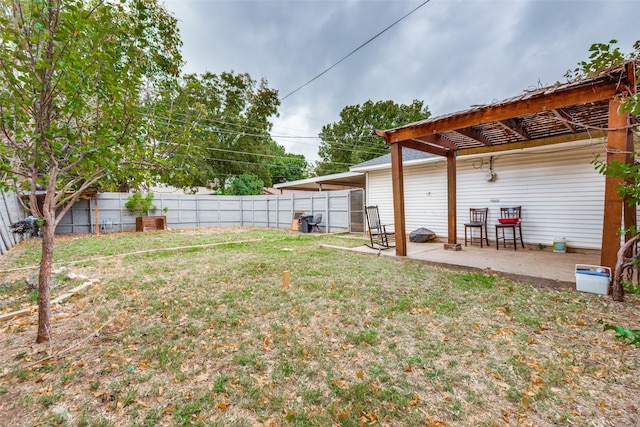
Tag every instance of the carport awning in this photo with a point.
(339, 181)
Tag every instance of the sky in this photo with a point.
(451, 54)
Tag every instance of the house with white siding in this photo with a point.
(533, 150)
(534, 121)
(558, 187)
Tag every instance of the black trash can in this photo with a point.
(303, 224)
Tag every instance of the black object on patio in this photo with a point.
(421, 235)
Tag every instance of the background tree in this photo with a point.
(246, 185)
(284, 167)
(608, 55)
(73, 77)
(227, 121)
(602, 57)
(352, 140)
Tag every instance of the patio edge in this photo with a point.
(540, 282)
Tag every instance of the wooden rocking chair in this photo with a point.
(380, 237)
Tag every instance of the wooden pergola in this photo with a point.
(574, 111)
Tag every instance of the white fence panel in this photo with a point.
(10, 212)
(192, 211)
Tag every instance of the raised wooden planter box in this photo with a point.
(149, 223)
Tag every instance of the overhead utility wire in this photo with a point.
(353, 51)
(335, 140)
(209, 120)
(247, 153)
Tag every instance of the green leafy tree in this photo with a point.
(607, 55)
(73, 78)
(604, 56)
(352, 140)
(284, 167)
(140, 205)
(226, 118)
(246, 185)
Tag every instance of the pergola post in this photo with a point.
(617, 147)
(397, 178)
(630, 214)
(452, 208)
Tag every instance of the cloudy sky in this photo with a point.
(451, 54)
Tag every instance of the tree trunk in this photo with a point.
(44, 283)
(627, 262)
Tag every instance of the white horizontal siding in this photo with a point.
(425, 189)
(561, 194)
(380, 193)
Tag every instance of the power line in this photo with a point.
(353, 51)
(338, 141)
(248, 153)
(246, 162)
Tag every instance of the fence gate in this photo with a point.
(357, 211)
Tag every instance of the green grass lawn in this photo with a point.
(206, 333)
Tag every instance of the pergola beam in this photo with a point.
(425, 146)
(475, 135)
(534, 142)
(433, 144)
(565, 118)
(597, 91)
(516, 127)
(439, 140)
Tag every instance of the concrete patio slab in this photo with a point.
(539, 267)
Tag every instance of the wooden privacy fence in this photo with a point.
(342, 211)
